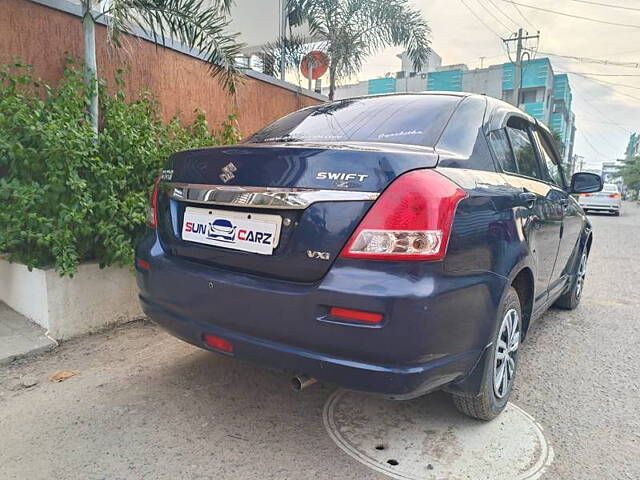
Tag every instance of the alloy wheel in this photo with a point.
(582, 272)
(506, 353)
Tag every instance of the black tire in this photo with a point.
(617, 213)
(571, 298)
(488, 405)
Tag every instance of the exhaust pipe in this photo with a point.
(300, 382)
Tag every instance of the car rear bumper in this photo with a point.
(608, 207)
(434, 330)
(392, 381)
(599, 203)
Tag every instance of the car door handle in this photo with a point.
(529, 198)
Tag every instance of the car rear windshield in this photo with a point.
(610, 187)
(404, 119)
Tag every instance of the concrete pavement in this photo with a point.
(20, 337)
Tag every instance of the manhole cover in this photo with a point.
(427, 438)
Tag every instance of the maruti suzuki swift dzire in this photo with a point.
(393, 244)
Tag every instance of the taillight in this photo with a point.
(143, 264)
(411, 220)
(614, 195)
(152, 215)
(584, 195)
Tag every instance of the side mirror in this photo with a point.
(583, 182)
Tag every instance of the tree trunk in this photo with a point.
(332, 81)
(90, 65)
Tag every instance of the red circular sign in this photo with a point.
(318, 61)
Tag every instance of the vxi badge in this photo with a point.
(318, 255)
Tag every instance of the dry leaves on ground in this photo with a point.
(63, 375)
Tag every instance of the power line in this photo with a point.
(600, 61)
(606, 74)
(607, 85)
(627, 52)
(583, 98)
(604, 139)
(584, 137)
(610, 5)
(522, 15)
(621, 125)
(604, 82)
(480, 20)
(573, 16)
(495, 17)
(586, 134)
(503, 13)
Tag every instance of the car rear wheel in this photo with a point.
(571, 299)
(500, 371)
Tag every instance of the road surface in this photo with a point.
(145, 405)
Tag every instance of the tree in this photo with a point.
(349, 31)
(558, 142)
(197, 24)
(630, 173)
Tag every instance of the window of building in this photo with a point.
(525, 158)
(528, 96)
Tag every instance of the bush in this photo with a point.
(67, 197)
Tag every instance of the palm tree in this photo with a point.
(349, 31)
(197, 24)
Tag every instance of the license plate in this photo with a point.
(249, 232)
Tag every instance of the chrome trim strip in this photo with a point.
(261, 197)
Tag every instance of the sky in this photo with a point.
(605, 114)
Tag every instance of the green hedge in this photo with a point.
(67, 197)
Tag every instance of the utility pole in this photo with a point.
(517, 79)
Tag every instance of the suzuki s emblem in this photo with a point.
(227, 172)
(318, 255)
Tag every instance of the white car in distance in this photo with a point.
(607, 200)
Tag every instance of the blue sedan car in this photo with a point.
(394, 244)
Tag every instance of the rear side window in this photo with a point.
(404, 119)
(549, 159)
(525, 156)
(500, 144)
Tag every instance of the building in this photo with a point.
(543, 94)
(404, 80)
(633, 147)
(562, 119)
(610, 172)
